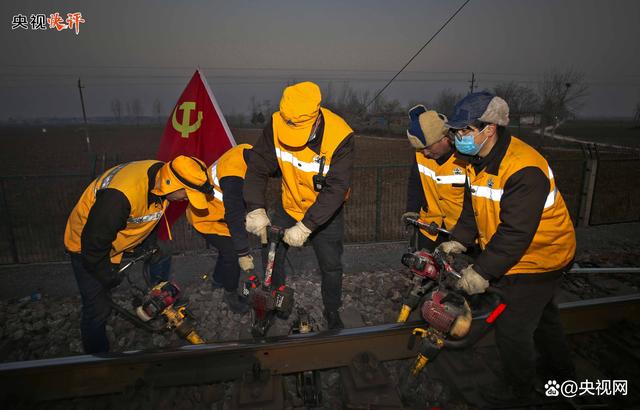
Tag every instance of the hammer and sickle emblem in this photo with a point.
(185, 128)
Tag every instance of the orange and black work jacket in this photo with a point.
(513, 206)
(436, 190)
(333, 141)
(225, 208)
(115, 213)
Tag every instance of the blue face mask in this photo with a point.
(466, 144)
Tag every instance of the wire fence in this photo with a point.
(34, 209)
(616, 197)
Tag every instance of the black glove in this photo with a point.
(109, 278)
(163, 251)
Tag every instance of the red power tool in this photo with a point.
(427, 271)
(263, 298)
(446, 310)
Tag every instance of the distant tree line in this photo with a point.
(132, 111)
(559, 96)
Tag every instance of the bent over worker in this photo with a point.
(115, 214)
(312, 148)
(222, 223)
(436, 182)
(513, 206)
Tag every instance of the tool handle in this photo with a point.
(271, 258)
(275, 236)
(404, 314)
(137, 259)
(446, 270)
(432, 228)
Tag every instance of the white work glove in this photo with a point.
(412, 215)
(471, 281)
(246, 263)
(257, 222)
(452, 247)
(296, 235)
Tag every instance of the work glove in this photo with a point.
(296, 235)
(257, 222)
(158, 264)
(451, 247)
(163, 251)
(109, 277)
(471, 281)
(246, 263)
(413, 215)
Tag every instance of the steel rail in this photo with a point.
(604, 270)
(89, 375)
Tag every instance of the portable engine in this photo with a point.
(160, 301)
(445, 310)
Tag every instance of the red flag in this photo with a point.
(196, 127)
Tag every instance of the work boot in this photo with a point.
(236, 303)
(333, 319)
(215, 284)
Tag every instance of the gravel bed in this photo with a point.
(50, 328)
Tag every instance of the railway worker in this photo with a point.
(523, 227)
(222, 224)
(436, 181)
(115, 214)
(313, 149)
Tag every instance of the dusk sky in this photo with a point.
(149, 50)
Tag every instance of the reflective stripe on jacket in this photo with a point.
(299, 165)
(553, 245)
(443, 187)
(211, 220)
(132, 180)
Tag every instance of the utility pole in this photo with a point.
(473, 86)
(84, 116)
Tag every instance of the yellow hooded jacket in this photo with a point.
(299, 165)
(554, 243)
(443, 187)
(132, 180)
(211, 220)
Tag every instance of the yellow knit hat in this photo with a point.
(299, 110)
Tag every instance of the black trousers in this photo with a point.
(96, 303)
(227, 269)
(531, 320)
(327, 242)
(96, 308)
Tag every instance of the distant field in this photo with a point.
(612, 132)
(63, 150)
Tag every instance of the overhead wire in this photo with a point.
(418, 52)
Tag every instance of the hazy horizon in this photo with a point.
(149, 50)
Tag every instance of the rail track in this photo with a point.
(262, 364)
